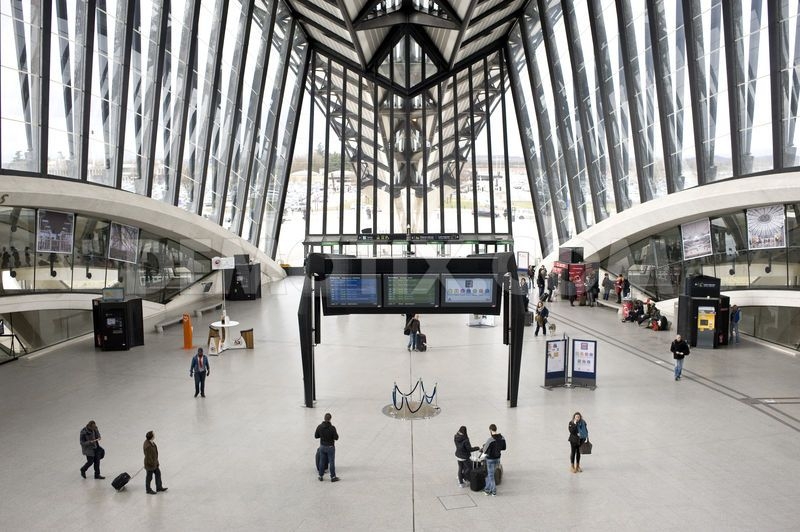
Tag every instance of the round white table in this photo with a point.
(223, 344)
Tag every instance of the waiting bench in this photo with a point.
(175, 320)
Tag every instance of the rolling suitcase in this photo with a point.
(122, 479)
(422, 342)
(119, 482)
(477, 477)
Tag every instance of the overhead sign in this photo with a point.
(222, 263)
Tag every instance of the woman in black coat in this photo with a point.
(463, 450)
(578, 433)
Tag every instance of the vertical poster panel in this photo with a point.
(55, 231)
(123, 244)
(584, 362)
(696, 239)
(766, 227)
(576, 276)
(555, 362)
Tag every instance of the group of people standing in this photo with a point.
(490, 455)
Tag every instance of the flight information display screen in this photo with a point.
(353, 291)
(469, 290)
(410, 290)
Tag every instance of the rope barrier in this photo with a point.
(404, 397)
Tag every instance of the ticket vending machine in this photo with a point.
(706, 326)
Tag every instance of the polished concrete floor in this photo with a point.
(715, 451)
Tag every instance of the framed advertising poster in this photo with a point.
(555, 363)
(584, 362)
(696, 239)
(123, 243)
(54, 231)
(766, 227)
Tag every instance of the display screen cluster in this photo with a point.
(373, 291)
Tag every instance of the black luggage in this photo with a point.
(122, 479)
(528, 319)
(663, 324)
(422, 342)
(119, 482)
(477, 477)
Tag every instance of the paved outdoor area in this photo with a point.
(715, 451)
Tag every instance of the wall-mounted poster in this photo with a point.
(766, 227)
(696, 237)
(123, 244)
(54, 231)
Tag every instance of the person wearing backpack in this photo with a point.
(491, 449)
(413, 328)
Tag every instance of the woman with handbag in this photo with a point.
(578, 433)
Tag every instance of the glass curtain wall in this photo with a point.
(196, 104)
(753, 249)
(381, 161)
(191, 103)
(155, 268)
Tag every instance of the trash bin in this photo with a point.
(247, 336)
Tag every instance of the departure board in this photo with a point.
(353, 291)
(410, 290)
(469, 290)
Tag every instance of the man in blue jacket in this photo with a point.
(200, 370)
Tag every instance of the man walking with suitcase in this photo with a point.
(327, 435)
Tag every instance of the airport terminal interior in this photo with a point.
(178, 174)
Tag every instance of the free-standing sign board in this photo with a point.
(584, 362)
(555, 362)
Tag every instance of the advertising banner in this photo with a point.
(696, 238)
(54, 231)
(766, 227)
(555, 362)
(123, 245)
(584, 362)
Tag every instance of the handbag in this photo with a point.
(100, 452)
(406, 331)
(586, 447)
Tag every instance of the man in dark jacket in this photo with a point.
(679, 350)
(327, 435)
(151, 464)
(463, 450)
(200, 370)
(491, 449)
(90, 447)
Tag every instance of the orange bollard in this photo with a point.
(187, 331)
